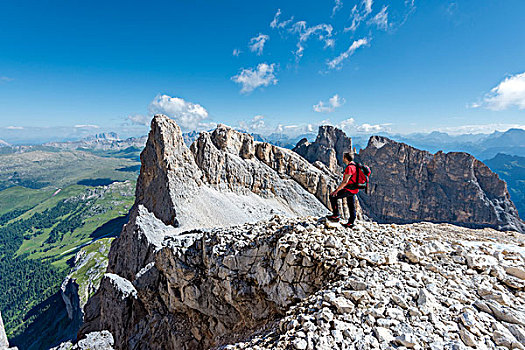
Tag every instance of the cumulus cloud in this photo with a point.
(333, 102)
(351, 127)
(323, 32)
(188, 115)
(337, 6)
(336, 62)
(381, 19)
(508, 93)
(257, 43)
(255, 125)
(236, 52)
(140, 119)
(87, 126)
(295, 130)
(252, 78)
(277, 24)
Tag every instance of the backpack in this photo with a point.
(362, 178)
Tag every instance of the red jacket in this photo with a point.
(351, 170)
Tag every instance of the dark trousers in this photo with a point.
(349, 199)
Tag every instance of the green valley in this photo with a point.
(52, 203)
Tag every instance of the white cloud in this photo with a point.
(256, 124)
(11, 127)
(250, 79)
(257, 43)
(236, 52)
(188, 115)
(333, 102)
(368, 6)
(509, 93)
(349, 126)
(338, 5)
(359, 14)
(480, 128)
(295, 130)
(381, 19)
(140, 119)
(279, 25)
(323, 32)
(336, 62)
(87, 126)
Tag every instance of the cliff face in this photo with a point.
(329, 146)
(409, 185)
(3, 337)
(4, 343)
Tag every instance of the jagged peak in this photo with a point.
(227, 139)
(329, 135)
(168, 170)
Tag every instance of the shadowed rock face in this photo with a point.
(329, 146)
(409, 185)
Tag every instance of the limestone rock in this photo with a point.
(409, 185)
(4, 343)
(3, 337)
(225, 179)
(329, 146)
(92, 341)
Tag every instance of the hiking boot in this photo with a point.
(333, 217)
(348, 224)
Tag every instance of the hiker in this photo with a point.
(347, 189)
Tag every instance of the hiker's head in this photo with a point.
(348, 157)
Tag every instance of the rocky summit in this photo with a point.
(328, 148)
(283, 278)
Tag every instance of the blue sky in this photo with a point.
(403, 66)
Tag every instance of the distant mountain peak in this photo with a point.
(105, 136)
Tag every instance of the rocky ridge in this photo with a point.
(421, 286)
(225, 179)
(298, 283)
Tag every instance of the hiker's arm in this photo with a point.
(346, 178)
